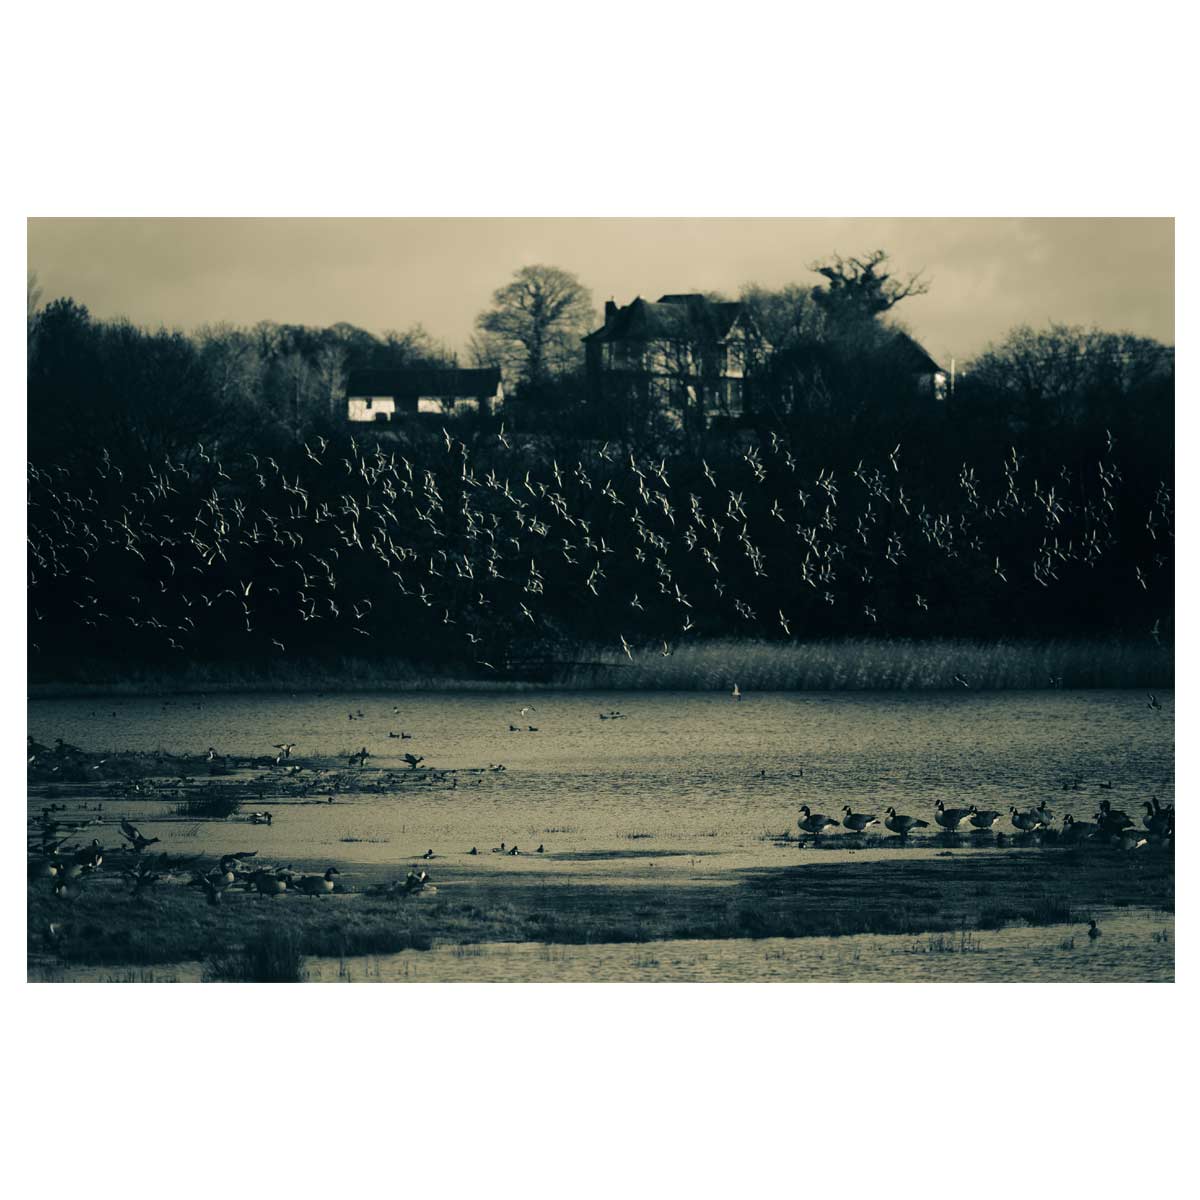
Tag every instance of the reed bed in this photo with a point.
(850, 664)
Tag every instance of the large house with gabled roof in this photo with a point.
(684, 350)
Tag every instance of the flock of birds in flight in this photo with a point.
(369, 546)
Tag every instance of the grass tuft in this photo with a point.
(272, 955)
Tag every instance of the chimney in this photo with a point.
(610, 311)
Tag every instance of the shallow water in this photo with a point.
(1135, 945)
(693, 773)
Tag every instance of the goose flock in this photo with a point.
(1108, 825)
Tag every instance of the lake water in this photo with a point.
(696, 773)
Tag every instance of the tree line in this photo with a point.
(1087, 414)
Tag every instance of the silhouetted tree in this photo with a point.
(537, 321)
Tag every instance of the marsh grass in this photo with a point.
(210, 806)
(1046, 910)
(849, 664)
(860, 664)
(897, 896)
(273, 955)
(947, 943)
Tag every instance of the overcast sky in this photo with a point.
(985, 275)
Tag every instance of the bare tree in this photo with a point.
(538, 319)
(331, 376)
(862, 284)
(33, 294)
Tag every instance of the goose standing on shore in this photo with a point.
(1026, 822)
(857, 822)
(903, 825)
(1078, 831)
(1112, 820)
(812, 822)
(949, 818)
(982, 820)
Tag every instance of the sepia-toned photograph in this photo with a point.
(621, 600)
(653, 532)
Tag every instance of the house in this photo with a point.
(686, 351)
(391, 395)
(909, 358)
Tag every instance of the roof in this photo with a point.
(674, 315)
(424, 381)
(910, 355)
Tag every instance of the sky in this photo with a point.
(985, 275)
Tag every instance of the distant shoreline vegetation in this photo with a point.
(852, 664)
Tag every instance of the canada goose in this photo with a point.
(413, 760)
(267, 883)
(261, 818)
(90, 856)
(1156, 822)
(1044, 815)
(318, 885)
(813, 822)
(427, 854)
(139, 843)
(1093, 930)
(1078, 831)
(982, 820)
(44, 868)
(949, 818)
(513, 850)
(1152, 701)
(473, 850)
(414, 882)
(285, 749)
(142, 876)
(500, 849)
(1112, 820)
(857, 822)
(214, 886)
(1131, 838)
(902, 824)
(541, 849)
(1026, 822)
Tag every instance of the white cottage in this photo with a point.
(391, 395)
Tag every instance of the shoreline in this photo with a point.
(854, 665)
